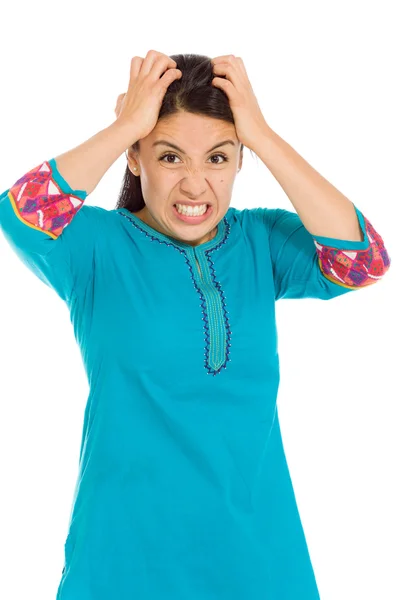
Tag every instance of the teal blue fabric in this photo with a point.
(184, 491)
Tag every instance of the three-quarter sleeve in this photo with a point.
(307, 266)
(50, 229)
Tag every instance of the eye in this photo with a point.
(225, 158)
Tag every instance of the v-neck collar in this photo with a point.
(222, 229)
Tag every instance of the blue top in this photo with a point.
(183, 491)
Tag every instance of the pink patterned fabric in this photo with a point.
(39, 203)
(355, 268)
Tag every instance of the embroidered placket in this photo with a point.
(214, 310)
(217, 329)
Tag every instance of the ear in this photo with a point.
(132, 162)
(129, 153)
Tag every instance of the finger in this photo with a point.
(229, 71)
(153, 57)
(136, 64)
(225, 58)
(224, 84)
(229, 60)
(169, 77)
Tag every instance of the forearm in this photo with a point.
(84, 166)
(323, 210)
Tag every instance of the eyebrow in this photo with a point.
(166, 143)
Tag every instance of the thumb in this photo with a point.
(120, 100)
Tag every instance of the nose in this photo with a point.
(194, 185)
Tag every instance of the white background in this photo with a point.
(326, 77)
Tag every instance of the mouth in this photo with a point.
(195, 219)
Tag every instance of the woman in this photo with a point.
(183, 489)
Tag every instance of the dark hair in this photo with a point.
(192, 93)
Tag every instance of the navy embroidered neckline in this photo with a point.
(222, 231)
(217, 328)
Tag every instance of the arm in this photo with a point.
(351, 253)
(306, 266)
(43, 216)
(323, 210)
(84, 166)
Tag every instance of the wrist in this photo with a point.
(125, 132)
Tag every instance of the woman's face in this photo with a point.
(195, 174)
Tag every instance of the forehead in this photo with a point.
(188, 127)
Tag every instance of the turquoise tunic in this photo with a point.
(184, 490)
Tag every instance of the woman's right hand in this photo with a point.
(139, 108)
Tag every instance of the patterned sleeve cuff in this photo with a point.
(43, 199)
(354, 264)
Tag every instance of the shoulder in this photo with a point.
(87, 226)
(92, 217)
(253, 217)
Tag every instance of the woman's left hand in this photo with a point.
(249, 121)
